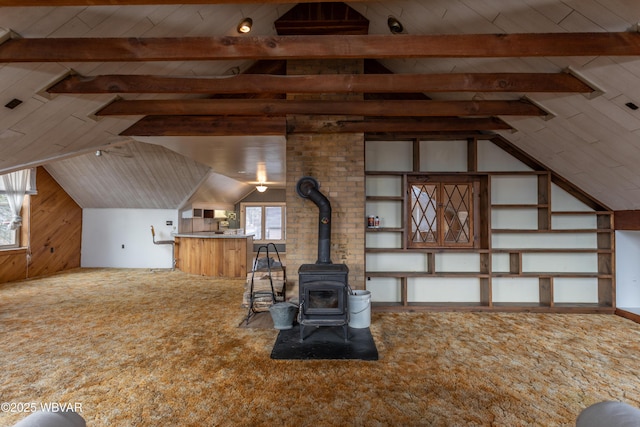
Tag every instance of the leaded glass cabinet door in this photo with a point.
(423, 211)
(440, 214)
(456, 219)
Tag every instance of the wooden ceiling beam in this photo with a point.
(135, 2)
(627, 220)
(430, 136)
(207, 126)
(251, 125)
(319, 47)
(278, 107)
(325, 83)
(409, 125)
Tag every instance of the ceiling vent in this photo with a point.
(13, 103)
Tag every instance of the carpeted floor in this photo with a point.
(136, 348)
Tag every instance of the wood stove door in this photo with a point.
(323, 299)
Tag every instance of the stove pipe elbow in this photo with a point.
(307, 188)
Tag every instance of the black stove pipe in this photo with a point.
(307, 188)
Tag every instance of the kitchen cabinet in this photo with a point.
(213, 254)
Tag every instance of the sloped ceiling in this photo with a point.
(593, 142)
(263, 158)
(134, 175)
(62, 132)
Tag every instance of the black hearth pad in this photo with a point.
(326, 342)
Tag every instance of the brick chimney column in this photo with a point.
(336, 161)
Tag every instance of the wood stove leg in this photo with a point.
(346, 332)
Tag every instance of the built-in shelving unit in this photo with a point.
(538, 243)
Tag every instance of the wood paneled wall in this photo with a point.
(55, 232)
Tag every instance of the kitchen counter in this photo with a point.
(213, 235)
(212, 254)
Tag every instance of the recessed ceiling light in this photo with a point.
(13, 103)
(394, 25)
(245, 25)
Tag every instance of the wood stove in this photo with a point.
(323, 286)
(324, 296)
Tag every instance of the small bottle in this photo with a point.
(370, 221)
(376, 222)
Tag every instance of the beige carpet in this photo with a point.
(136, 348)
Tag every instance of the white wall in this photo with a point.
(105, 231)
(627, 269)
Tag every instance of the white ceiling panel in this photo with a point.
(593, 142)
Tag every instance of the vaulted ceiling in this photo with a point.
(186, 110)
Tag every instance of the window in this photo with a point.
(8, 237)
(265, 221)
(14, 187)
(440, 213)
